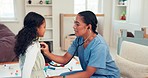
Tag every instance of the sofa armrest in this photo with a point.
(131, 69)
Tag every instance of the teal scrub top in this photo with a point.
(97, 55)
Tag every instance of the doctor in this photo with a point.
(92, 50)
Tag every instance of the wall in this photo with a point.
(107, 6)
(145, 13)
(60, 7)
(134, 11)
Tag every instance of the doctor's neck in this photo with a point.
(90, 36)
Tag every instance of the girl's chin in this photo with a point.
(42, 36)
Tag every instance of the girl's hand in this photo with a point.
(44, 48)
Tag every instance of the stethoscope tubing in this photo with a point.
(76, 51)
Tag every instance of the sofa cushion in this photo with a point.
(134, 52)
(129, 69)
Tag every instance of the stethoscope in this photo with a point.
(76, 51)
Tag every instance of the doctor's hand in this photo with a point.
(44, 48)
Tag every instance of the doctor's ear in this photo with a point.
(89, 26)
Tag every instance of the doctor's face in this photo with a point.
(79, 27)
(41, 29)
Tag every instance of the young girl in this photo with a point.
(27, 47)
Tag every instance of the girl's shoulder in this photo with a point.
(34, 44)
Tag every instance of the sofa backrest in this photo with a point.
(142, 41)
(134, 52)
(7, 42)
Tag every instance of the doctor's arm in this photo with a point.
(56, 58)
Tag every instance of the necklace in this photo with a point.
(86, 42)
(87, 37)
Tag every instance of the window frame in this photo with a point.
(100, 6)
(15, 19)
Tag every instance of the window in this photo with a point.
(7, 10)
(94, 5)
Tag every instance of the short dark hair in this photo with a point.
(89, 18)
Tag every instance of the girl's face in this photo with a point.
(41, 29)
(80, 27)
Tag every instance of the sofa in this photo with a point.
(132, 60)
(138, 37)
(7, 42)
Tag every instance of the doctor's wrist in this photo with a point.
(64, 76)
